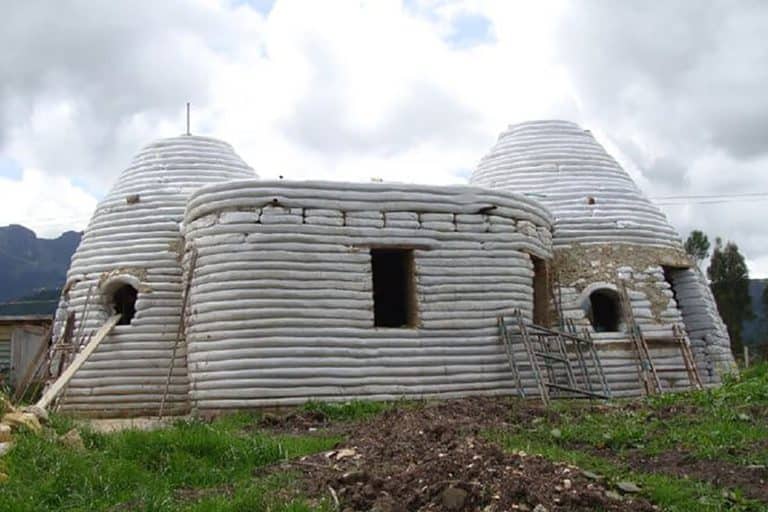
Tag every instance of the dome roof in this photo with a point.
(146, 204)
(591, 197)
(180, 165)
(134, 238)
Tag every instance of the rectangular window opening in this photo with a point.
(541, 313)
(394, 288)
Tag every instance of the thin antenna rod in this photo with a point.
(188, 132)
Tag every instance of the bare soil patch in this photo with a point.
(433, 458)
(295, 422)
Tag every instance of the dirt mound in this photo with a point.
(432, 458)
(295, 421)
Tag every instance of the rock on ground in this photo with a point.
(18, 420)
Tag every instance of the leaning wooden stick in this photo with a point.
(179, 332)
(79, 360)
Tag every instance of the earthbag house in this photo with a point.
(238, 293)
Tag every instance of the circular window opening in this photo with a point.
(604, 310)
(124, 303)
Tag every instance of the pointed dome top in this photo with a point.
(591, 197)
(180, 165)
(146, 205)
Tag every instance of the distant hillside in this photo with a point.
(42, 302)
(33, 268)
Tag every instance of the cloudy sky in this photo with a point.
(413, 90)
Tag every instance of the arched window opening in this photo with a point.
(124, 303)
(604, 310)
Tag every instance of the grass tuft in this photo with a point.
(354, 410)
(145, 470)
(672, 494)
(725, 423)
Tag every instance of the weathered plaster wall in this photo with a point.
(605, 231)
(134, 236)
(281, 303)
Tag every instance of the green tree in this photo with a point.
(697, 245)
(729, 279)
(764, 303)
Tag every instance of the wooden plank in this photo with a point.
(179, 331)
(504, 335)
(79, 360)
(34, 366)
(578, 391)
(66, 341)
(543, 391)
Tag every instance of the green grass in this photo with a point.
(672, 494)
(726, 423)
(354, 410)
(145, 470)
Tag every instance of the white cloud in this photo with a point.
(46, 204)
(409, 91)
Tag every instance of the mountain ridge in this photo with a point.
(30, 265)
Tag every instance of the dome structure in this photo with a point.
(591, 197)
(607, 235)
(129, 262)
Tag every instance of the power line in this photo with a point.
(713, 196)
(680, 202)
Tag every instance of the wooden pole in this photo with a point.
(66, 342)
(77, 362)
(179, 331)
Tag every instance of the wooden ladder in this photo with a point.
(504, 335)
(549, 348)
(597, 364)
(645, 368)
(557, 301)
(532, 360)
(685, 351)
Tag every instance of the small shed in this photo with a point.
(20, 339)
